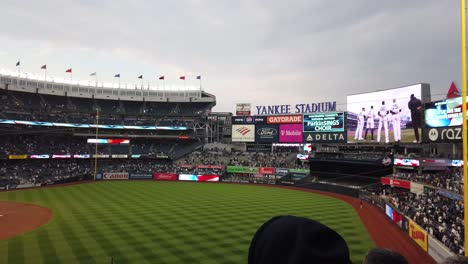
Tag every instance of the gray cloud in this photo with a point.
(263, 52)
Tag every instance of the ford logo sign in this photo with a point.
(266, 131)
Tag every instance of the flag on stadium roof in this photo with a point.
(161, 77)
(453, 91)
(182, 77)
(140, 77)
(18, 63)
(69, 70)
(93, 74)
(44, 67)
(199, 77)
(117, 75)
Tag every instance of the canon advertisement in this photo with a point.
(243, 133)
(115, 176)
(290, 133)
(387, 116)
(266, 133)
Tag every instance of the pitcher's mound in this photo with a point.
(18, 218)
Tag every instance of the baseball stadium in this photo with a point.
(104, 175)
(116, 173)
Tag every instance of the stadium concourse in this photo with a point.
(55, 133)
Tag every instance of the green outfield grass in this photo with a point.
(166, 222)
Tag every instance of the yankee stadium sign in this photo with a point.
(296, 109)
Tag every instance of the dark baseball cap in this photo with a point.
(297, 240)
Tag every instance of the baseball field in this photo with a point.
(165, 222)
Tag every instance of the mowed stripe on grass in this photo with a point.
(166, 222)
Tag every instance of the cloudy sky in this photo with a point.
(261, 52)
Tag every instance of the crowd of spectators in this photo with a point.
(43, 171)
(450, 179)
(440, 216)
(54, 108)
(223, 157)
(52, 144)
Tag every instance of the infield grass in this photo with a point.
(166, 222)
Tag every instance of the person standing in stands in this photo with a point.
(383, 121)
(396, 121)
(415, 106)
(370, 123)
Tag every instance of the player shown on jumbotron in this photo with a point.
(383, 120)
(370, 123)
(360, 124)
(396, 124)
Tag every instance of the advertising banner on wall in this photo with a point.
(266, 170)
(325, 122)
(60, 156)
(281, 171)
(241, 120)
(406, 162)
(395, 183)
(44, 156)
(157, 176)
(284, 119)
(195, 177)
(417, 188)
(203, 166)
(243, 109)
(243, 133)
(337, 137)
(389, 211)
(241, 169)
(266, 133)
(17, 156)
(141, 176)
(443, 135)
(449, 195)
(115, 176)
(290, 133)
(418, 234)
(391, 110)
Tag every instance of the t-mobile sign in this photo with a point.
(290, 133)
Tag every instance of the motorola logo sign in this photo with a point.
(433, 134)
(445, 134)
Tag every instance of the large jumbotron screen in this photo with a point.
(368, 120)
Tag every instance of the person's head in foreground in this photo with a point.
(384, 256)
(297, 240)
